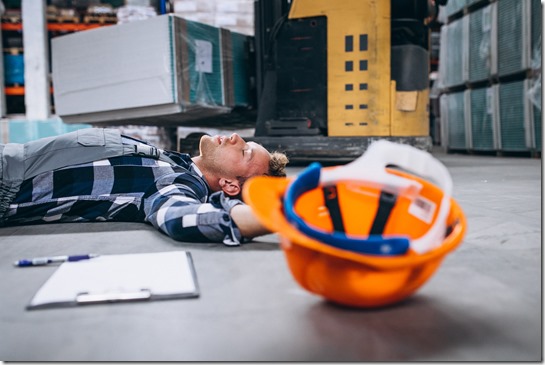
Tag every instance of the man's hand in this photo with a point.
(246, 221)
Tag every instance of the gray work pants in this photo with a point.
(19, 162)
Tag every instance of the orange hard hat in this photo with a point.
(364, 234)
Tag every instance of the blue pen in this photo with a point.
(50, 260)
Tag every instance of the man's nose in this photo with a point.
(235, 138)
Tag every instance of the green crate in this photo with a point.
(536, 32)
(482, 120)
(512, 104)
(512, 42)
(480, 56)
(456, 121)
(538, 137)
(537, 21)
(453, 63)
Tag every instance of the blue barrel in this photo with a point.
(14, 69)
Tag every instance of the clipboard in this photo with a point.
(119, 278)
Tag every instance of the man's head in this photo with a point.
(228, 161)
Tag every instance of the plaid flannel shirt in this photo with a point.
(174, 199)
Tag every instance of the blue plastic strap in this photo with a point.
(309, 179)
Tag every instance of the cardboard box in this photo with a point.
(165, 69)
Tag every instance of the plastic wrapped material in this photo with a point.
(538, 124)
(453, 53)
(534, 93)
(514, 124)
(203, 47)
(443, 121)
(536, 13)
(100, 9)
(161, 70)
(442, 70)
(453, 7)
(131, 13)
(513, 47)
(481, 60)
(455, 116)
(482, 104)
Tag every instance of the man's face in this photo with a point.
(232, 157)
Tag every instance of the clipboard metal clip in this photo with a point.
(89, 298)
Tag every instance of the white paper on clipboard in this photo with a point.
(118, 278)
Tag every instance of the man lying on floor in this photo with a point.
(99, 175)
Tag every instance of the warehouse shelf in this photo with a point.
(17, 90)
(57, 27)
(14, 90)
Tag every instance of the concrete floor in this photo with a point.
(483, 304)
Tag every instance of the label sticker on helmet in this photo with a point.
(423, 209)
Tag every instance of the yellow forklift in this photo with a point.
(334, 75)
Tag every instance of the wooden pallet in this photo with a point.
(14, 19)
(100, 19)
(65, 19)
(14, 50)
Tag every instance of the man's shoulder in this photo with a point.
(187, 173)
(181, 159)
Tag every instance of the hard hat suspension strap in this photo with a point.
(331, 199)
(387, 202)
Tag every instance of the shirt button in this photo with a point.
(226, 217)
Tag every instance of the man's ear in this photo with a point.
(230, 187)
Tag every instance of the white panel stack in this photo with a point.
(158, 71)
(111, 68)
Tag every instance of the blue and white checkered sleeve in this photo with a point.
(180, 209)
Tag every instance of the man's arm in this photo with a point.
(179, 207)
(247, 223)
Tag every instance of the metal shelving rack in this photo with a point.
(37, 88)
